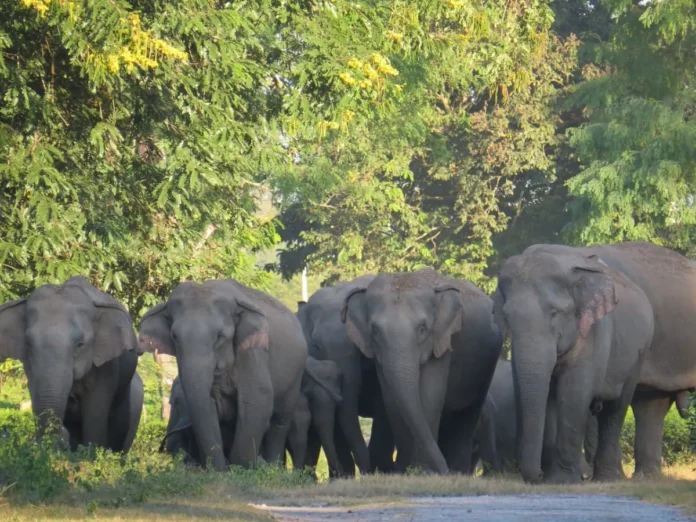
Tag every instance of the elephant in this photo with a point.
(79, 351)
(669, 371)
(320, 395)
(580, 332)
(327, 340)
(240, 355)
(435, 348)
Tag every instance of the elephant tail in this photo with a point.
(170, 433)
(335, 396)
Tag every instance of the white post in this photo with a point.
(304, 284)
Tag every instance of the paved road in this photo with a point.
(498, 508)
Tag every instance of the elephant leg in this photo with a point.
(573, 394)
(344, 455)
(381, 441)
(607, 461)
(96, 405)
(297, 436)
(274, 442)
(591, 439)
(125, 417)
(324, 422)
(349, 421)
(487, 446)
(313, 449)
(254, 411)
(461, 430)
(649, 409)
(548, 451)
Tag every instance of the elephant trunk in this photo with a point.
(402, 377)
(49, 398)
(532, 378)
(197, 382)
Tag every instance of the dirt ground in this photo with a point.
(491, 508)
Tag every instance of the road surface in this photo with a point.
(494, 508)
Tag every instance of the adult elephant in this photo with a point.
(78, 348)
(327, 340)
(580, 331)
(435, 348)
(240, 355)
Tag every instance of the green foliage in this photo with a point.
(636, 149)
(678, 438)
(423, 179)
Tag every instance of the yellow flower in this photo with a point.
(456, 4)
(354, 63)
(383, 65)
(347, 78)
(365, 84)
(370, 72)
(395, 37)
(41, 6)
(347, 116)
(399, 88)
(112, 63)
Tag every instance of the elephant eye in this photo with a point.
(554, 313)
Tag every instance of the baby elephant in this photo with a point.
(180, 436)
(315, 414)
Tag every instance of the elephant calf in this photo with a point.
(315, 413)
(580, 331)
(79, 352)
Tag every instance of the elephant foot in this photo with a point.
(559, 477)
(608, 475)
(649, 473)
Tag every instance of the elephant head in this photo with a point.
(206, 326)
(403, 321)
(60, 333)
(548, 304)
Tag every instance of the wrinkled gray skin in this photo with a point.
(240, 355)
(435, 348)
(79, 352)
(327, 340)
(320, 396)
(669, 281)
(579, 330)
(498, 422)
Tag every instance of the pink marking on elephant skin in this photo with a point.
(255, 340)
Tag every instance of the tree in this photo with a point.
(422, 181)
(637, 148)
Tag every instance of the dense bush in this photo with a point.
(40, 471)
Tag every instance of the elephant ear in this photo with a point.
(448, 318)
(12, 326)
(595, 296)
(155, 331)
(114, 332)
(251, 327)
(498, 302)
(354, 316)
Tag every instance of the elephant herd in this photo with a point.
(592, 330)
